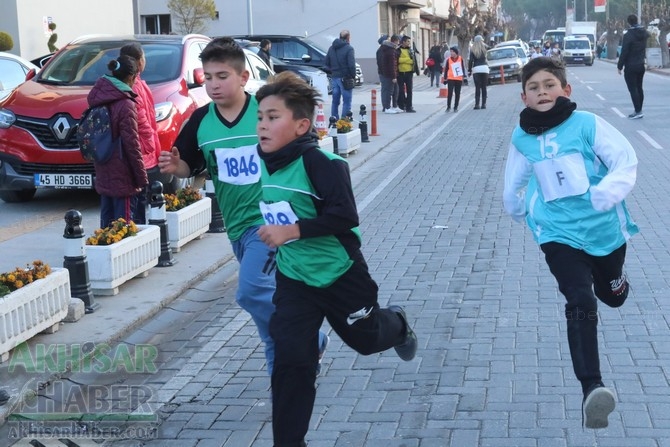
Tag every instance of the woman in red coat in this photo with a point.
(119, 180)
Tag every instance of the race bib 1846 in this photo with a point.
(238, 166)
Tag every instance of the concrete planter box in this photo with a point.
(327, 144)
(37, 307)
(188, 223)
(348, 142)
(109, 266)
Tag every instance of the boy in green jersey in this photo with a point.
(310, 213)
(221, 137)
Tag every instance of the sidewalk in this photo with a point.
(141, 298)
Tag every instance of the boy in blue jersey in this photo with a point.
(567, 175)
(221, 137)
(311, 218)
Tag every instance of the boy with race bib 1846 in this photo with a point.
(221, 137)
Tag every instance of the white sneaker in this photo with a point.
(597, 405)
(390, 111)
(397, 110)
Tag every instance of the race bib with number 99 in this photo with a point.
(238, 166)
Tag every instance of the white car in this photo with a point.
(515, 43)
(13, 72)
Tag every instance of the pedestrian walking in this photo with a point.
(221, 138)
(341, 62)
(388, 60)
(567, 175)
(454, 71)
(435, 54)
(407, 68)
(120, 179)
(311, 218)
(147, 127)
(264, 52)
(631, 61)
(478, 68)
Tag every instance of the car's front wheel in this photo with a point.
(22, 195)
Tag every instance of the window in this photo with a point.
(258, 66)
(13, 74)
(156, 24)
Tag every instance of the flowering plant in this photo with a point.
(343, 125)
(117, 230)
(184, 197)
(18, 278)
(322, 133)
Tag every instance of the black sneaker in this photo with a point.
(476, 106)
(455, 109)
(597, 405)
(4, 397)
(407, 349)
(483, 106)
(448, 110)
(635, 115)
(410, 111)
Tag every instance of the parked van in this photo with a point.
(554, 36)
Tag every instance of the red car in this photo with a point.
(38, 121)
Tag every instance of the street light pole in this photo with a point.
(250, 21)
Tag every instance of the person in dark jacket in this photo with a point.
(478, 68)
(119, 180)
(388, 75)
(631, 61)
(435, 53)
(383, 38)
(264, 52)
(341, 62)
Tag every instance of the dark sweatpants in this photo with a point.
(579, 275)
(350, 306)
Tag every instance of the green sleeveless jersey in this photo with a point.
(288, 196)
(234, 166)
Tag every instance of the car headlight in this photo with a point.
(163, 111)
(7, 118)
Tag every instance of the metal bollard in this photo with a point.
(75, 261)
(363, 125)
(373, 114)
(332, 132)
(216, 225)
(158, 217)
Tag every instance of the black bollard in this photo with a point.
(216, 225)
(75, 261)
(332, 132)
(363, 125)
(158, 217)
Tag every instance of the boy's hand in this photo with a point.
(168, 162)
(275, 235)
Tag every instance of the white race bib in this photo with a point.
(562, 176)
(278, 213)
(238, 166)
(457, 69)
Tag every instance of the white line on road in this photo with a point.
(600, 97)
(367, 200)
(621, 115)
(589, 87)
(649, 139)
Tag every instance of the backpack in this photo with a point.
(94, 135)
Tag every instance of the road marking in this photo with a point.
(589, 87)
(600, 97)
(373, 195)
(649, 139)
(621, 115)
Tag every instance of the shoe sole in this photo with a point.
(597, 407)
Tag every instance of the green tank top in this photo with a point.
(234, 166)
(287, 198)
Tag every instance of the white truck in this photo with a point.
(588, 29)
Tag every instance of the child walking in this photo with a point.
(454, 71)
(567, 175)
(310, 214)
(221, 137)
(123, 176)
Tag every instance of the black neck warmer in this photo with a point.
(535, 122)
(274, 161)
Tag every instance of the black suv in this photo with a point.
(297, 50)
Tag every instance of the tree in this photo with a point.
(192, 16)
(6, 41)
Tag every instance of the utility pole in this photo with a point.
(250, 20)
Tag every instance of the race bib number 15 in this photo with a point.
(238, 166)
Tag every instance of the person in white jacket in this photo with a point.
(567, 175)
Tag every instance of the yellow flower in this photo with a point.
(117, 230)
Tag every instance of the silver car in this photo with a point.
(504, 61)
